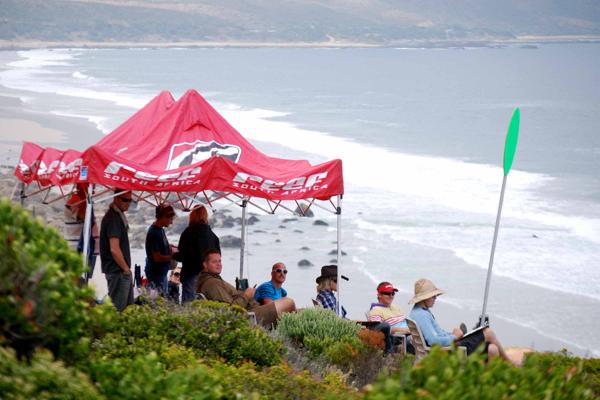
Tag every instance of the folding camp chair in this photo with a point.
(420, 345)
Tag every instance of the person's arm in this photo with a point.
(117, 254)
(218, 291)
(373, 315)
(154, 242)
(157, 257)
(432, 333)
(264, 294)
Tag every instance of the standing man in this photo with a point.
(114, 250)
(158, 251)
(213, 287)
(272, 290)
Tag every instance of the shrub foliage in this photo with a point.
(448, 375)
(207, 329)
(40, 301)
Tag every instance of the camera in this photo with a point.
(241, 284)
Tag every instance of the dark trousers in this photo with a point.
(120, 289)
(188, 285)
(386, 329)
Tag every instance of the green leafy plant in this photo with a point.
(448, 375)
(42, 378)
(41, 302)
(206, 328)
(316, 324)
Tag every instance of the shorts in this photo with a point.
(266, 315)
(473, 342)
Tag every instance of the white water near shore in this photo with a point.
(405, 215)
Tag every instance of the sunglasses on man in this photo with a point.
(388, 293)
(125, 199)
(281, 271)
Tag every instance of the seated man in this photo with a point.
(213, 287)
(424, 299)
(272, 290)
(392, 320)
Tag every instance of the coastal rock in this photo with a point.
(252, 220)
(298, 231)
(334, 252)
(305, 263)
(277, 240)
(289, 220)
(320, 223)
(282, 226)
(304, 211)
(230, 241)
(304, 248)
(259, 231)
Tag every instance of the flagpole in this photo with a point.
(510, 146)
(483, 319)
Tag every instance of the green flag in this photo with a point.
(512, 137)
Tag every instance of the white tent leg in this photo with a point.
(339, 252)
(87, 228)
(243, 244)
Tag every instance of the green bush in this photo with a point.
(42, 379)
(208, 329)
(313, 327)
(41, 303)
(146, 377)
(564, 363)
(449, 375)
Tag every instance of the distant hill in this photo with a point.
(285, 21)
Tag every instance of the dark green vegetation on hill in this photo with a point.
(371, 21)
(56, 343)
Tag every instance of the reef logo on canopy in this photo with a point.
(189, 153)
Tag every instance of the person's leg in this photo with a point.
(189, 288)
(165, 285)
(386, 329)
(120, 290)
(490, 337)
(284, 305)
(266, 315)
(493, 351)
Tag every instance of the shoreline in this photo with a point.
(263, 251)
(409, 43)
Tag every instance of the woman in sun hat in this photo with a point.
(424, 299)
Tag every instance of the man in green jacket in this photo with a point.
(213, 287)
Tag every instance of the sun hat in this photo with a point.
(386, 287)
(327, 271)
(424, 289)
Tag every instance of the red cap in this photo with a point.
(386, 287)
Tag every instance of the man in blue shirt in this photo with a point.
(272, 290)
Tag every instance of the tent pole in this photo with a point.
(243, 243)
(87, 227)
(338, 211)
(22, 193)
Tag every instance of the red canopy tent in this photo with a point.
(185, 152)
(192, 148)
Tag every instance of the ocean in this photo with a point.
(421, 135)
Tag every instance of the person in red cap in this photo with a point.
(385, 311)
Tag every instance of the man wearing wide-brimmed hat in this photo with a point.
(425, 295)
